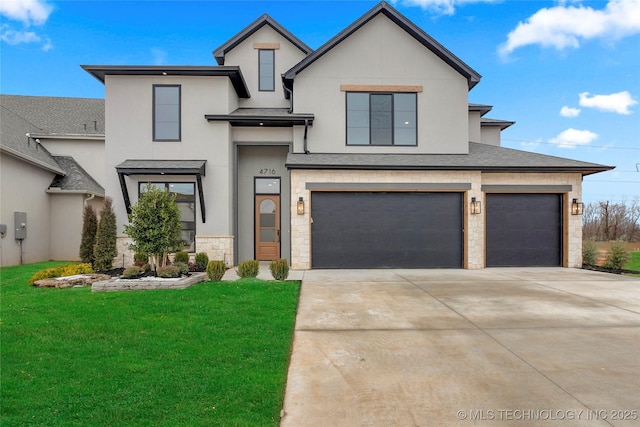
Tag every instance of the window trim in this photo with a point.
(393, 113)
(179, 122)
(273, 71)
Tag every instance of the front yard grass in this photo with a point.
(211, 354)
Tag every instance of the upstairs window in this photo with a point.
(266, 70)
(166, 113)
(382, 118)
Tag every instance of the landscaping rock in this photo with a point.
(79, 280)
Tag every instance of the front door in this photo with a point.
(267, 230)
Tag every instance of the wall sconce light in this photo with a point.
(476, 206)
(577, 207)
(300, 206)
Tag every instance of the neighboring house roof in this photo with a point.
(482, 108)
(233, 72)
(76, 180)
(58, 115)
(481, 157)
(268, 117)
(265, 19)
(416, 32)
(14, 140)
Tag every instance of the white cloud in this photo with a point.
(159, 56)
(615, 103)
(565, 26)
(569, 112)
(14, 37)
(29, 12)
(445, 7)
(571, 138)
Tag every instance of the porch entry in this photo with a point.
(267, 219)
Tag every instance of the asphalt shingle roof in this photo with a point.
(76, 178)
(481, 157)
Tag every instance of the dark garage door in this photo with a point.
(386, 230)
(524, 230)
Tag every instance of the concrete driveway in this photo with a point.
(508, 346)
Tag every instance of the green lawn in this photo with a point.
(212, 354)
(634, 264)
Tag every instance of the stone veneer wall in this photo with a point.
(216, 247)
(474, 224)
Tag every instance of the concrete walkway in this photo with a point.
(509, 346)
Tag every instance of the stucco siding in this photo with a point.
(65, 223)
(490, 135)
(381, 53)
(475, 134)
(246, 56)
(22, 187)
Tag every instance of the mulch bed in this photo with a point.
(608, 270)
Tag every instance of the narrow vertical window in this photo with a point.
(266, 72)
(166, 113)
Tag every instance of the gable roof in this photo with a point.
(483, 157)
(265, 19)
(416, 32)
(58, 115)
(15, 142)
(76, 179)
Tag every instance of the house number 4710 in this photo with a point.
(267, 171)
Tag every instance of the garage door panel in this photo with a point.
(386, 230)
(524, 230)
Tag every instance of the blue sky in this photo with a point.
(567, 72)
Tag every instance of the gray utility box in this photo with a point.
(20, 221)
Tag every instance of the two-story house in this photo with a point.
(364, 153)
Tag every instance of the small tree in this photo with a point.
(154, 224)
(105, 249)
(89, 229)
(617, 256)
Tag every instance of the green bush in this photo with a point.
(589, 252)
(279, 269)
(182, 267)
(202, 259)
(132, 272)
(169, 272)
(146, 267)
(181, 256)
(249, 268)
(617, 256)
(89, 229)
(140, 259)
(62, 271)
(105, 249)
(215, 270)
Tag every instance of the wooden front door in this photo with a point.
(267, 230)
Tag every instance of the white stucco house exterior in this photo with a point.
(364, 153)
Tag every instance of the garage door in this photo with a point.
(386, 230)
(524, 230)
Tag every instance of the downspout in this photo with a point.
(91, 196)
(306, 126)
(290, 92)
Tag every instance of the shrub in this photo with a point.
(181, 256)
(73, 269)
(617, 256)
(140, 259)
(279, 269)
(589, 252)
(89, 229)
(146, 267)
(105, 249)
(192, 267)
(182, 267)
(62, 271)
(202, 259)
(169, 272)
(249, 268)
(132, 272)
(215, 270)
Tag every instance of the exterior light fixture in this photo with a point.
(577, 207)
(476, 206)
(300, 206)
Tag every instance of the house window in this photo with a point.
(166, 113)
(381, 118)
(266, 60)
(186, 200)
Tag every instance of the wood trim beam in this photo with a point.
(381, 88)
(274, 46)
